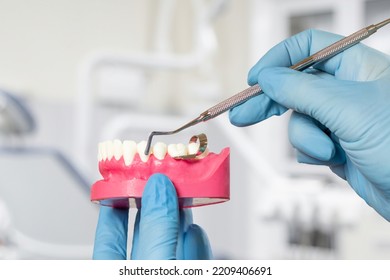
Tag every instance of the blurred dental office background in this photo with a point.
(74, 73)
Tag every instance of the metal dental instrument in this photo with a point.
(255, 90)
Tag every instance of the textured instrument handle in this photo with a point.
(341, 45)
(235, 100)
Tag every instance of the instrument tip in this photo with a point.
(148, 144)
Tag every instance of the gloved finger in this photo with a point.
(326, 100)
(337, 159)
(196, 244)
(293, 50)
(255, 110)
(336, 164)
(306, 136)
(111, 234)
(262, 107)
(185, 221)
(359, 63)
(159, 220)
(284, 54)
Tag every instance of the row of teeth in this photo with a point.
(127, 149)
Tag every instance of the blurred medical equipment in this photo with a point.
(252, 91)
(7, 248)
(37, 187)
(15, 118)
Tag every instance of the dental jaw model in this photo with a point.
(199, 176)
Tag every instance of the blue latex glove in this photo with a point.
(161, 230)
(341, 109)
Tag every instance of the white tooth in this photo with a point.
(141, 151)
(100, 158)
(182, 149)
(103, 150)
(129, 150)
(172, 150)
(175, 150)
(118, 151)
(160, 150)
(109, 149)
(193, 148)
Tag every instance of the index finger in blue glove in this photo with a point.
(255, 110)
(287, 53)
(158, 227)
(262, 107)
(111, 234)
(358, 63)
(295, 49)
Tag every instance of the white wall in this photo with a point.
(42, 42)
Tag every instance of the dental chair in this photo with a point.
(45, 195)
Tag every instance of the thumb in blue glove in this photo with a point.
(340, 108)
(161, 230)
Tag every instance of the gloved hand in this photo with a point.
(341, 109)
(161, 230)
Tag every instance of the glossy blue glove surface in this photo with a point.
(341, 109)
(161, 230)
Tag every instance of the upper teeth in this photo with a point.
(128, 149)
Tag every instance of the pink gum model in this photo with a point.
(197, 182)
